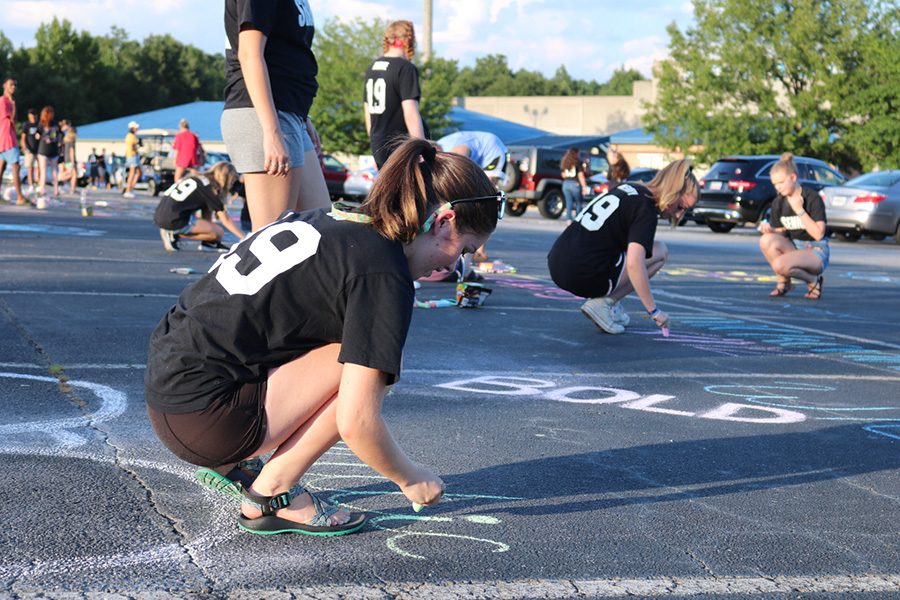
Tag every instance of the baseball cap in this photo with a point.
(134, 125)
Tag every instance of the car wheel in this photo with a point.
(551, 205)
(513, 177)
(516, 209)
(720, 226)
(897, 234)
(850, 236)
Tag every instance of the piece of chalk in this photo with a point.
(418, 507)
(665, 331)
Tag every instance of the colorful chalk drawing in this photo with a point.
(66, 441)
(322, 481)
(539, 288)
(732, 276)
(50, 229)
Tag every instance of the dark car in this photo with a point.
(867, 205)
(335, 175)
(738, 190)
(600, 185)
(533, 177)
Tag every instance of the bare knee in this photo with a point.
(660, 252)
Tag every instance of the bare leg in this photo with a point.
(179, 173)
(17, 182)
(42, 174)
(301, 426)
(773, 245)
(802, 264)
(267, 197)
(656, 262)
(310, 190)
(204, 231)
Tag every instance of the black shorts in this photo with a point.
(229, 431)
(595, 284)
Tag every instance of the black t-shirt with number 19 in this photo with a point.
(181, 200)
(389, 81)
(304, 281)
(594, 243)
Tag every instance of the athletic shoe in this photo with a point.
(600, 312)
(619, 315)
(212, 247)
(127, 195)
(169, 240)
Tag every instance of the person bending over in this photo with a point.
(795, 242)
(609, 250)
(207, 193)
(291, 340)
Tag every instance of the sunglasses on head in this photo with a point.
(499, 198)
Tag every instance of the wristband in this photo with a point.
(801, 213)
(653, 313)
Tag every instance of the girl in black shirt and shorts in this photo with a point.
(291, 340)
(270, 83)
(795, 242)
(609, 250)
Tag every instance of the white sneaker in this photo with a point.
(128, 195)
(600, 311)
(169, 240)
(619, 315)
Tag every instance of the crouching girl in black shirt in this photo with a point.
(609, 250)
(290, 341)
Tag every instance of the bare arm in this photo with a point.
(413, 119)
(251, 48)
(368, 119)
(362, 427)
(226, 221)
(636, 266)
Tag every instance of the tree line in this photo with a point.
(818, 78)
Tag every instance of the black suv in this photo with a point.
(533, 177)
(738, 189)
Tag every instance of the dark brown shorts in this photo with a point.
(229, 431)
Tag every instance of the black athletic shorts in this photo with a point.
(597, 283)
(229, 431)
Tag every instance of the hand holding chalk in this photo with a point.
(418, 507)
(665, 331)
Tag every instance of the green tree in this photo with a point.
(870, 93)
(759, 76)
(438, 75)
(620, 83)
(344, 51)
(490, 76)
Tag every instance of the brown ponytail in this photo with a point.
(416, 180)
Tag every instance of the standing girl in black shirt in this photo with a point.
(609, 251)
(794, 242)
(270, 83)
(291, 340)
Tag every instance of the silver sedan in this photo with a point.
(867, 205)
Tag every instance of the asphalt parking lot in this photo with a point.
(755, 452)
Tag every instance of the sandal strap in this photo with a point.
(324, 511)
(269, 504)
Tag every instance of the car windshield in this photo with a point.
(879, 179)
(730, 169)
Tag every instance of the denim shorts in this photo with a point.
(820, 248)
(187, 228)
(133, 161)
(11, 156)
(244, 138)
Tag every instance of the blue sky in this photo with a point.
(590, 37)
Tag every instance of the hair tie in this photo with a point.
(398, 43)
(429, 154)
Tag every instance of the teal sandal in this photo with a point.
(269, 524)
(240, 477)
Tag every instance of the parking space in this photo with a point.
(753, 452)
